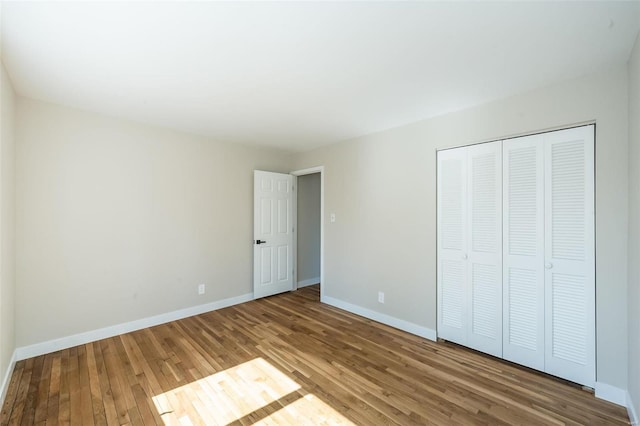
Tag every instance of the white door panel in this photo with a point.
(569, 255)
(273, 233)
(470, 247)
(452, 245)
(484, 295)
(523, 246)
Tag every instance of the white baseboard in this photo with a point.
(7, 378)
(611, 393)
(309, 281)
(633, 414)
(114, 330)
(400, 324)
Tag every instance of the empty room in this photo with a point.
(355, 213)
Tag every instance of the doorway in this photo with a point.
(309, 241)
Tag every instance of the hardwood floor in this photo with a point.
(287, 359)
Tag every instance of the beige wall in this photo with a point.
(119, 221)
(308, 246)
(382, 188)
(7, 228)
(634, 227)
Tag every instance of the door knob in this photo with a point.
(260, 242)
(548, 265)
(464, 256)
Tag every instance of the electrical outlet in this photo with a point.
(380, 297)
(201, 289)
(332, 217)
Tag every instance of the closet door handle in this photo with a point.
(548, 265)
(464, 256)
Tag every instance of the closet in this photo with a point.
(516, 250)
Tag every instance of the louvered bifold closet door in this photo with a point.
(452, 245)
(484, 290)
(523, 247)
(569, 255)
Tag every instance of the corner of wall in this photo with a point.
(633, 248)
(610, 393)
(7, 232)
(632, 412)
(6, 379)
(394, 322)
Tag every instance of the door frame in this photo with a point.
(302, 172)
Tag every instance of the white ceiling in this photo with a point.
(300, 75)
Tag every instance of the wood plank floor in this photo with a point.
(287, 359)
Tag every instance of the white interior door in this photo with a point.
(523, 247)
(484, 289)
(452, 245)
(272, 233)
(570, 254)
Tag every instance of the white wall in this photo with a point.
(634, 227)
(7, 227)
(308, 246)
(118, 221)
(382, 188)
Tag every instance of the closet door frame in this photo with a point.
(528, 337)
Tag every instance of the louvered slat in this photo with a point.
(451, 217)
(486, 283)
(452, 293)
(523, 308)
(483, 205)
(568, 200)
(569, 318)
(522, 201)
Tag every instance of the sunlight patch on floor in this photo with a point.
(225, 396)
(308, 410)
